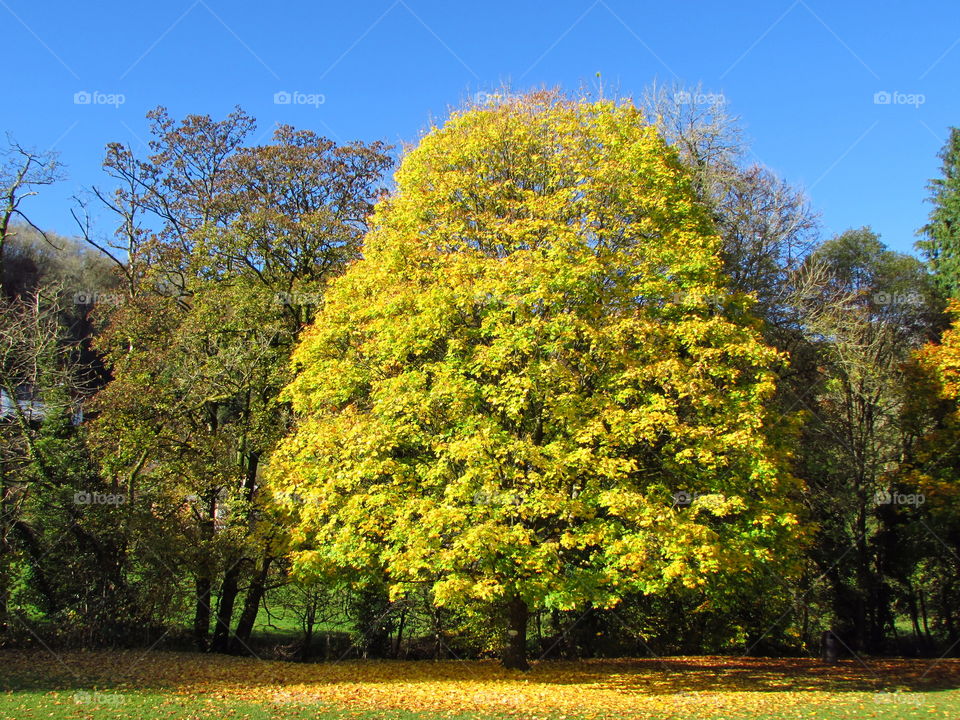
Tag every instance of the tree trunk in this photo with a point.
(374, 619)
(204, 583)
(201, 615)
(250, 477)
(5, 545)
(945, 604)
(915, 618)
(400, 624)
(923, 615)
(515, 647)
(251, 606)
(309, 619)
(437, 634)
(228, 596)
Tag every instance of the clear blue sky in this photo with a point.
(801, 74)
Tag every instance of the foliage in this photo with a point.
(223, 251)
(535, 354)
(864, 308)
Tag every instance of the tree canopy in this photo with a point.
(534, 389)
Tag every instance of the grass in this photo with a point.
(154, 685)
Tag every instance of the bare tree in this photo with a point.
(698, 125)
(767, 226)
(21, 172)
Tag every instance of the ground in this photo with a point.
(153, 685)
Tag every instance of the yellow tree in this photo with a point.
(533, 390)
(942, 360)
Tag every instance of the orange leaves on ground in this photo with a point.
(673, 687)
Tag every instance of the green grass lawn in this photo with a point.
(153, 685)
(154, 706)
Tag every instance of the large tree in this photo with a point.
(865, 309)
(534, 390)
(225, 251)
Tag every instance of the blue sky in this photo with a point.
(802, 75)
